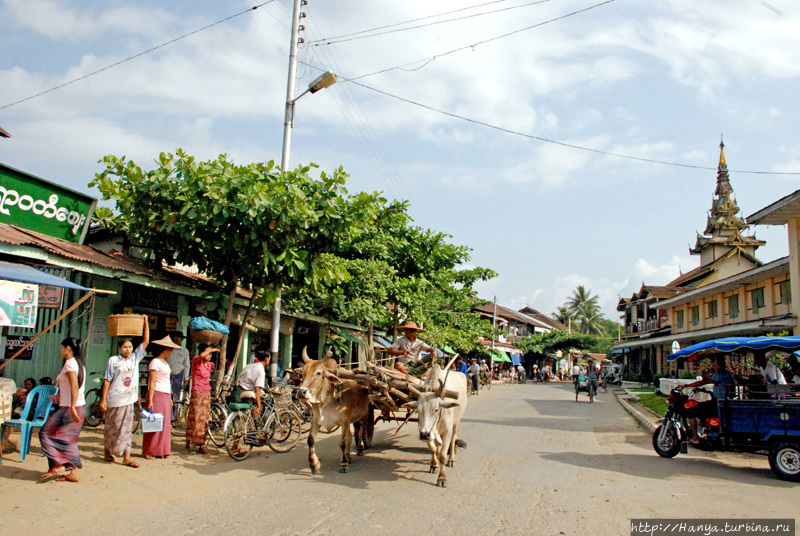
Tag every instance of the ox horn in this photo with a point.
(329, 353)
(306, 359)
(440, 389)
(414, 391)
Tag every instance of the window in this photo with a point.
(733, 307)
(786, 292)
(696, 315)
(679, 319)
(758, 298)
(712, 309)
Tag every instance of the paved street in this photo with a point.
(537, 462)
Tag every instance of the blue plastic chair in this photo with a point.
(43, 406)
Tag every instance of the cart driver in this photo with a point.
(772, 374)
(408, 348)
(721, 379)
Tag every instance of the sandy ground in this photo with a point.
(537, 462)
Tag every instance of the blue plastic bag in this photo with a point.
(202, 322)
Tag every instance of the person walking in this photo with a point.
(179, 366)
(119, 397)
(158, 400)
(473, 371)
(200, 403)
(59, 435)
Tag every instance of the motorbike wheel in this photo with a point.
(784, 460)
(669, 446)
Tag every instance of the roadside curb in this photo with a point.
(645, 421)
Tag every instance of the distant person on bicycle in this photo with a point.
(473, 371)
(119, 397)
(253, 378)
(592, 375)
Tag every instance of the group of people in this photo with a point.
(120, 399)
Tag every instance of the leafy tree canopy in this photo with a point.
(555, 340)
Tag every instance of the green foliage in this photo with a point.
(416, 270)
(105, 218)
(654, 402)
(552, 341)
(688, 375)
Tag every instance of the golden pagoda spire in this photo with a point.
(722, 153)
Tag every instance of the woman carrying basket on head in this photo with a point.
(200, 403)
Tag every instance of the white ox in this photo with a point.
(440, 417)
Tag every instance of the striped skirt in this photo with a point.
(59, 438)
(119, 429)
(197, 423)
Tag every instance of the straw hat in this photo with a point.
(166, 342)
(412, 326)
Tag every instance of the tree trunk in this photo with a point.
(241, 331)
(224, 343)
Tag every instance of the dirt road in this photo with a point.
(537, 462)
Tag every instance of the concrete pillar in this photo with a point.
(794, 268)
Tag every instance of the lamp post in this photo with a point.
(326, 79)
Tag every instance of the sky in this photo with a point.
(566, 142)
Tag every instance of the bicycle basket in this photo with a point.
(282, 396)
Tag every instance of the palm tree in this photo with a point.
(583, 308)
(562, 315)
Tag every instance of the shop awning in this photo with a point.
(349, 336)
(449, 350)
(27, 274)
(515, 358)
(500, 356)
(381, 341)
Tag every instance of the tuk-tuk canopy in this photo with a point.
(733, 344)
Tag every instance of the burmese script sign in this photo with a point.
(38, 205)
(15, 342)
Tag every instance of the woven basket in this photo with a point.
(125, 325)
(282, 396)
(206, 336)
(5, 407)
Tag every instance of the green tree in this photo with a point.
(395, 267)
(585, 311)
(251, 226)
(552, 341)
(562, 314)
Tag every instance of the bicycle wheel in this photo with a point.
(577, 392)
(591, 393)
(303, 412)
(283, 431)
(216, 424)
(94, 416)
(236, 427)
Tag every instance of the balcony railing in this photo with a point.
(644, 326)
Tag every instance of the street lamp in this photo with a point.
(327, 79)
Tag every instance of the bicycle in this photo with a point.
(592, 389)
(485, 380)
(278, 426)
(182, 413)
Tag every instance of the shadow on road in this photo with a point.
(657, 468)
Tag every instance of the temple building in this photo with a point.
(731, 293)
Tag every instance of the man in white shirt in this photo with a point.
(772, 374)
(408, 348)
(180, 365)
(253, 378)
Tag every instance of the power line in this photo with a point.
(561, 143)
(148, 51)
(472, 46)
(357, 35)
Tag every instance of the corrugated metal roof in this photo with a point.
(112, 260)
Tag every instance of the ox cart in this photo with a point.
(389, 389)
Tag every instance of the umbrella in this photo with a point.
(732, 344)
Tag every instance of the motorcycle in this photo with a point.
(613, 379)
(671, 437)
(751, 424)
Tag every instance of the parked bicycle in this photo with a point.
(278, 425)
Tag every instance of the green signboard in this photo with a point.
(38, 205)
